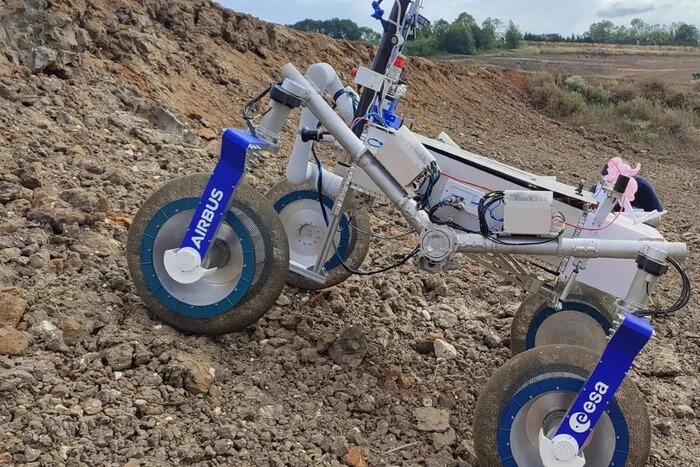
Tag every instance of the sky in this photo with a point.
(538, 16)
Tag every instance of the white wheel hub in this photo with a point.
(306, 230)
(184, 265)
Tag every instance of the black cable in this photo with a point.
(249, 105)
(432, 180)
(319, 184)
(436, 221)
(682, 300)
(319, 187)
(485, 205)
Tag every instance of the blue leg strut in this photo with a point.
(593, 399)
(185, 264)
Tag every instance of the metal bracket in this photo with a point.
(297, 268)
(339, 207)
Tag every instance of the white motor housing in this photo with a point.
(400, 152)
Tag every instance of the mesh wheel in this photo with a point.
(252, 239)
(300, 212)
(533, 391)
(586, 320)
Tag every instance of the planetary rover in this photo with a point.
(210, 254)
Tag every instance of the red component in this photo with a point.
(353, 72)
(400, 62)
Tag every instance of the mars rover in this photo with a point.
(209, 254)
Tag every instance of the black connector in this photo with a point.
(651, 266)
(278, 94)
(307, 134)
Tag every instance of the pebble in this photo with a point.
(665, 364)
(9, 191)
(441, 440)
(119, 357)
(350, 348)
(283, 300)
(50, 335)
(339, 446)
(431, 419)
(92, 406)
(73, 332)
(12, 309)
(444, 350)
(13, 342)
(683, 411)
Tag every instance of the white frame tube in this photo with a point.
(299, 169)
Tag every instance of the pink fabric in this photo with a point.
(616, 167)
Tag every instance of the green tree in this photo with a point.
(687, 35)
(603, 32)
(338, 29)
(513, 36)
(466, 19)
(458, 39)
(488, 34)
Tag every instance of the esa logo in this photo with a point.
(580, 422)
(207, 218)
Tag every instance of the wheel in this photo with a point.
(300, 212)
(251, 240)
(586, 319)
(534, 390)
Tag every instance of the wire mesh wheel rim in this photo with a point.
(603, 305)
(553, 361)
(357, 248)
(272, 256)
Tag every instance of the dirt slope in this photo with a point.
(100, 103)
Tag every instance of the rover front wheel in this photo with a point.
(251, 247)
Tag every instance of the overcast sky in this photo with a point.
(539, 16)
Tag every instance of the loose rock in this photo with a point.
(12, 308)
(350, 348)
(119, 357)
(13, 342)
(441, 440)
(431, 419)
(444, 350)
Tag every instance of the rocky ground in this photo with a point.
(100, 103)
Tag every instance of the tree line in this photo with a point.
(637, 33)
(338, 29)
(464, 36)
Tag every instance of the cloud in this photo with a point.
(622, 9)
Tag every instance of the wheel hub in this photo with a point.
(545, 412)
(306, 229)
(309, 234)
(225, 258)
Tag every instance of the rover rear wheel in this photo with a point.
(586, 319)
(300, 212)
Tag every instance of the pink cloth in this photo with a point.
(616, 167)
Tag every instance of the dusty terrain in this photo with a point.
(85, 137)
(623, 64)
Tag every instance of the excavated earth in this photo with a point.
(101, 102)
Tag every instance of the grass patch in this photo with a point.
(648, 111)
